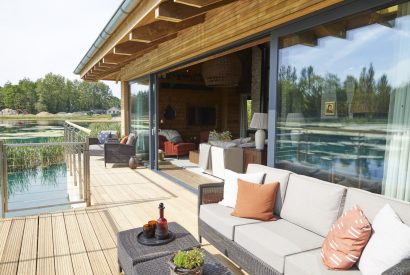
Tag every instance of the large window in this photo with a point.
(139, 120)
(344, 102)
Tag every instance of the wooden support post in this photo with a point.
(125, 108)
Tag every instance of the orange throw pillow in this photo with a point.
(255, 201)
(124, 140)
(346, 240)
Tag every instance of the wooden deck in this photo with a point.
(83, 241)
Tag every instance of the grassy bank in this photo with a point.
(23, 158)
(58, 117)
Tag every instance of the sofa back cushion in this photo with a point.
(371, 204)
(312, 204)
(273, 175)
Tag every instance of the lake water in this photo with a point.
(39, 186)
(30, 131)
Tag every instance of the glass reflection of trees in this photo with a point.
(363, 97)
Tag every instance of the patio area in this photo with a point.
(83, 241)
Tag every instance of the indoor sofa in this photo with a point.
(307, 208)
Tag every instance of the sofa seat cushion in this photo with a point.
(312, 204)
(273, 241)
(310, 263)
(219, 218)
(273, 175)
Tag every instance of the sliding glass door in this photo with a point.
(343, 105)
(139, 117)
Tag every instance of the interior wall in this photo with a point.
(225, 100)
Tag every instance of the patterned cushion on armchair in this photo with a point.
(104, 136)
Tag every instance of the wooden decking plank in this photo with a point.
(104, 238)
(79, 257)
(63, 263)
(28, 253)
(45, 251)
(11, 253)
(4, 232)
(96, 256)
(83, 240)
(110, 224)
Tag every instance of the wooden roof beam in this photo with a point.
(130, 48)
(336, 30)
(175, 12)
(161, 29)
(197, 3)
(306, 38)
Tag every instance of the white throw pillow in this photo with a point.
(389, 244)
(231, 185)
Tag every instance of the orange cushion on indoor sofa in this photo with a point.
(346, 240)
(255, 201)
(124, 140)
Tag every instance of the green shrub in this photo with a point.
(189, 259)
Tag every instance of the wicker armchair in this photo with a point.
(118, 153)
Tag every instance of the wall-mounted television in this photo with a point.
(201, 116)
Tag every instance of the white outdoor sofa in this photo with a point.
(291, 245)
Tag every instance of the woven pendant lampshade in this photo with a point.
(224, 71)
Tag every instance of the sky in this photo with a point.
(42, 36)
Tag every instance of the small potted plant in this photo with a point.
(189, 262)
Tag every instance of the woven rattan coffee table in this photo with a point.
(160, 265)
(131, 253)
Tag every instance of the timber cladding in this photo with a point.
(222, 26)
(226, 101)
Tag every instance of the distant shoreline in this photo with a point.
(81, 118)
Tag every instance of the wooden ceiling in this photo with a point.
(339, 29)
(161, 24)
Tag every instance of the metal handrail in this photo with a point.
(77, 159)
(43, 144)
(78, 127)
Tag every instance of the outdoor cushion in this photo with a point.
(371, 204)
(131, 139)
(219, 218)
(273, 175)
(389, 244)
(96, 150)
(272, 241)
(312, 203)
(231, 185)
(310, 263)
(346, 240)
(255, 201)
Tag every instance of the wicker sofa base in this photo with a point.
(235, 252)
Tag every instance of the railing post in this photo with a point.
(80, 174)
(71, 156)
(4, 189)
(86, 161)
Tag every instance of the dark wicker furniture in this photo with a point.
(118, 153)
(130, 252)
(159, 265)
(213, 193)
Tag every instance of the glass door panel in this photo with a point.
(139, 116)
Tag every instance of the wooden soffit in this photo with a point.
(150, 24)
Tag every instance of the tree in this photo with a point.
(53, 93)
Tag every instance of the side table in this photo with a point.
(253, 155)
(131, 252)
(194, 156)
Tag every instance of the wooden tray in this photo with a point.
(154, 241)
